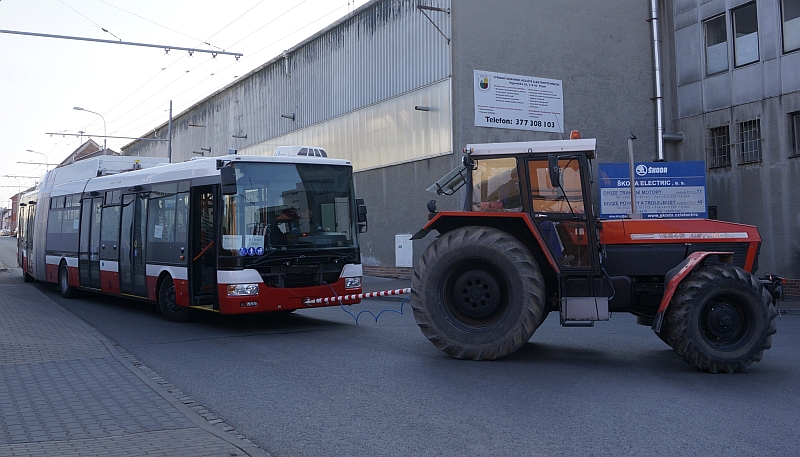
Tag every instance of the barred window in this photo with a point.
(750, 141)
(795, 119)
(719, 147)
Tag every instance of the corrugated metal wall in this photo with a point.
(382, 134)
(386, 48)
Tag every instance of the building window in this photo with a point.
(795, 117)
(719, 147)
(745, 34)
(716, 45)
(791, 25)
(750, 141)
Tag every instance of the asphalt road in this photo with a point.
(314, 383)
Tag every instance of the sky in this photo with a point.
(129, 87)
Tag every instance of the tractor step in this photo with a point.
(577, 323)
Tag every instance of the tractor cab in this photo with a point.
(549, 182)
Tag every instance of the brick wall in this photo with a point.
(791, 289)
(389, 272)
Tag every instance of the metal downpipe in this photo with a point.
(657, 76)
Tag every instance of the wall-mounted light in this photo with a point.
(240, 136)
(197, 125)
(288, 116)
(422, 108)
(206, 150)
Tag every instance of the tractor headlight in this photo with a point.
(239, 290)
(352, 283)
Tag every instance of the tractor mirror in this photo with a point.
(227, 176)
(555, 171)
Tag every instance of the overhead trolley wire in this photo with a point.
(87, 18)
(196, 99)
(161, 25)
(203, 41)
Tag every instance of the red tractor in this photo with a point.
(529, 242)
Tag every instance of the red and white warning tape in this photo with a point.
(383, 293)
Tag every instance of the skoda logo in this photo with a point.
(641, 170)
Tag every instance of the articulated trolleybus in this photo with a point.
(232, 234)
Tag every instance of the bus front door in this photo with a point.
(132, 278)
(203, 260)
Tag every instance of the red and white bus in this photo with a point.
(232, 234)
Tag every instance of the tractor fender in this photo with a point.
(676, 275)
(445, 221)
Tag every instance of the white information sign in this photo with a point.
(254, 241)
(231, 242)
(518, 102)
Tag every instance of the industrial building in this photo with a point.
(393, 87)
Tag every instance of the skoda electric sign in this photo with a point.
(663, 190)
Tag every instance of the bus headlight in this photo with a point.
(239, 290)
(352, 283)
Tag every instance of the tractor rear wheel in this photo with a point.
(477, 293)
(719, 319)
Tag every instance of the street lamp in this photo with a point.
(105, 134)
(46, 162)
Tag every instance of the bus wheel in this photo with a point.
(66, 290)
(26, 277)
(168, 303)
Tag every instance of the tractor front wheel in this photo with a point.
(477, 293)
(719, 319)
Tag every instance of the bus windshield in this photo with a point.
(283, 207)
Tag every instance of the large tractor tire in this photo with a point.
(720, 320)
(477, 293)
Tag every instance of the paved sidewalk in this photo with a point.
(65, 390)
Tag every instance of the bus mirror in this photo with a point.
(555, 172)
(362, 215)
(227, 177)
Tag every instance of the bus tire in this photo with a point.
(168, 304)
(719, 319)
(66, 290)
(26, 277)
(478, 293)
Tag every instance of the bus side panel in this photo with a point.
(109, 282)
(178, 273)
(152, 283)
(72, 269)
(182, 292)
(51, 272)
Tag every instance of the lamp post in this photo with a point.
(105, 134)
(46, 162)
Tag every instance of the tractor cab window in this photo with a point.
(496, 185)
(546, 198)
(560, 213)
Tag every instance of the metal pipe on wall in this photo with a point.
(657, 74)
